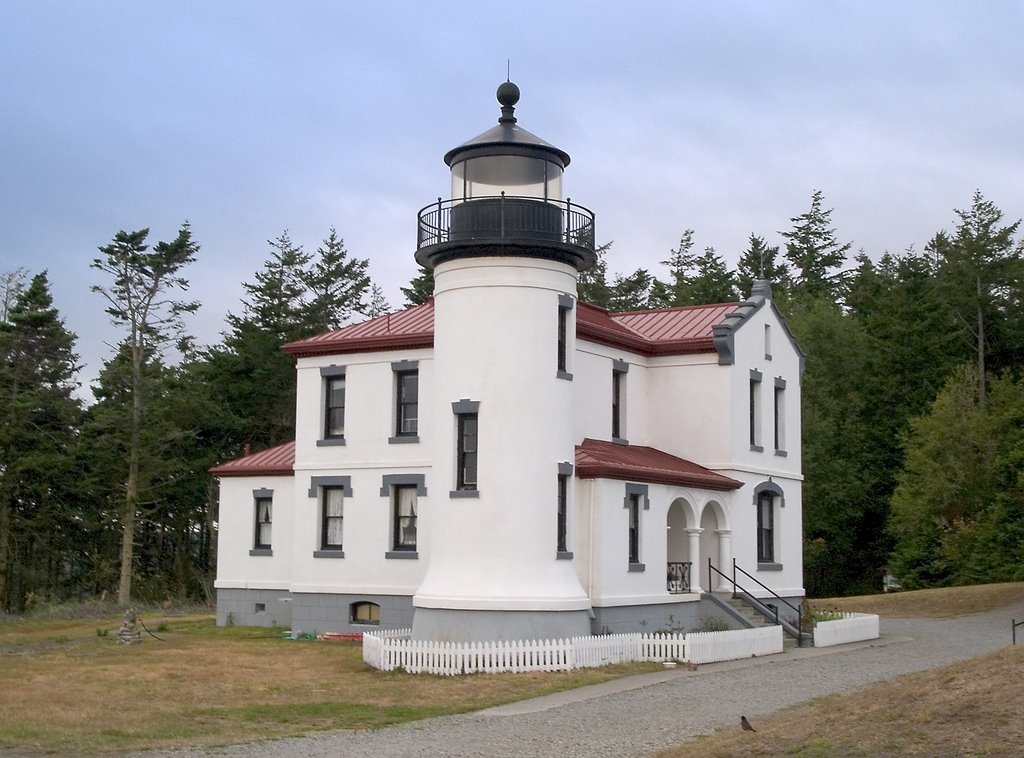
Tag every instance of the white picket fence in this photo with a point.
(392, 649)
(853, 627)
(389, 650)
(731, 645)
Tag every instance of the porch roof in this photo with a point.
(274, 461)
(599, 459)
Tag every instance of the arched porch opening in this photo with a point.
(680, 522)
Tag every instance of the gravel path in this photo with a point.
(639, 715)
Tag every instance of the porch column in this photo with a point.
(693, 536)
(724, 558)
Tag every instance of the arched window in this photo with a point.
(364, 612)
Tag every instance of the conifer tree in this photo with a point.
(338, 285)
(39, 420)
(420, 289)
(816, 254)
(761, 261)
(592, 286)
(981, 276)
(141, 299)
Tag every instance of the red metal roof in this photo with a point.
(274, 461)
(668, 331)
(413, 327)
(598, 459)
(595, 459)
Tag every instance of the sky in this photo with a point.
(247, 119)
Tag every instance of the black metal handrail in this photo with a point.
(678, 577)
(505, 217)
(748, 597)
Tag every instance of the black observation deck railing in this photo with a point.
(505, 218)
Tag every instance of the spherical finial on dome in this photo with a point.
(508, 94)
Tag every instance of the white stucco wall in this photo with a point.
(755, 467)
(495, 337)
(236, 532)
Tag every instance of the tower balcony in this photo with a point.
(504, 225)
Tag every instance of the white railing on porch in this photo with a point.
(853, 627)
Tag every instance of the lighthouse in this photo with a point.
(505, 250)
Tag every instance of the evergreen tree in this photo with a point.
(681, 262)
(957, 512)
(712, 282)
(420, 289)
(761, 261)
(812, 248)
(844, 520)
(11, 285)
(338, 286)
(981, 275)
(631, 293)
(277, 302)
(378, 303)
(592, 286)
(140, 299)
(249, 381)
(38, 437)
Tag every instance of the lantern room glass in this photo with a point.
(515, 175)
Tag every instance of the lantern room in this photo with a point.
(506, 199)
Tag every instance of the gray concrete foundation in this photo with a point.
(312, 613)
(444, 625)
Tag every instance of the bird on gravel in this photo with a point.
(746, 725)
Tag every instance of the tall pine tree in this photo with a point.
(141, 299)
(38, 436)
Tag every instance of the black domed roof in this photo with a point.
(507, 137)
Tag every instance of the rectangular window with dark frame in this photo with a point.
(466, 447)
(334, 403)
(407, 394)
(330, 493)
(634, 527)
(635, 503)
(619, 370)
(467, 452)
(755, 411)
(562, 536)
(780, 415)
(407, 410)
(332, 515)
(404, 508)
(264, 522)
(765, 528)
(403, 492)
(565, 305)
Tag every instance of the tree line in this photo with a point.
(913, 401)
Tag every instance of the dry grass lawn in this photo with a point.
(63, 688)
(945, 602)
(974, 707)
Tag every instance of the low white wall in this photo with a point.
(853, 628)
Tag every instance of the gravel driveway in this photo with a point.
(639, 715)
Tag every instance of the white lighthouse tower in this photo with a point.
(505, 250)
